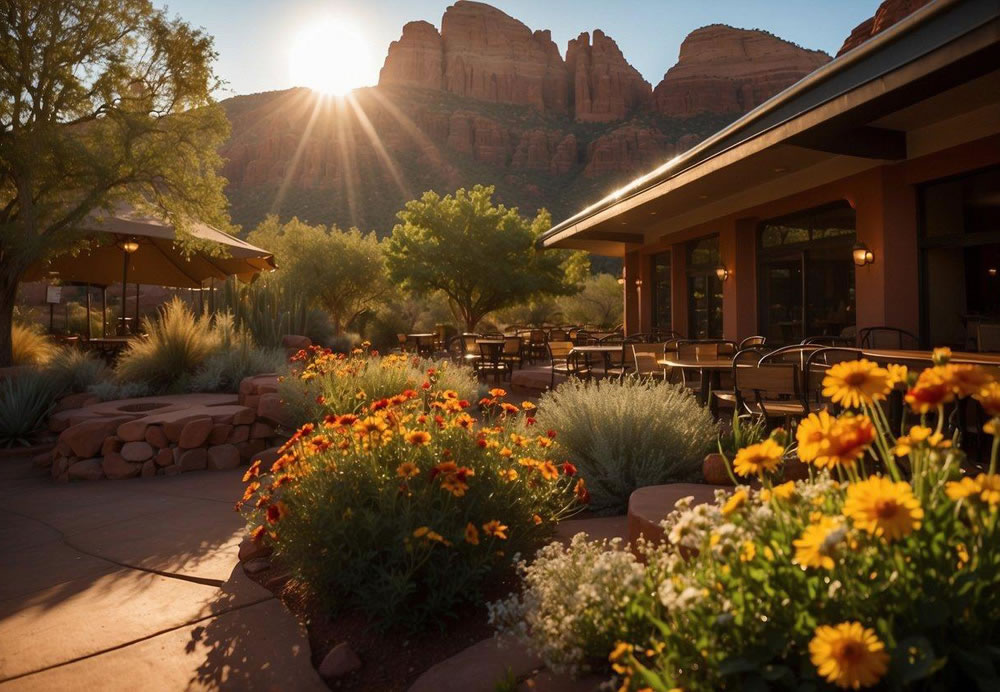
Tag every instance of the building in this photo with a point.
(866, 194)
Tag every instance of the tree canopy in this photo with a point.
(102, 102)
(342, 271)
(481, 255)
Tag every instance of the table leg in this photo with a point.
(706, 385)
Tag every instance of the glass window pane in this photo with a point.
(661, 291)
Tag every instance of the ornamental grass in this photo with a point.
(882, 569)
(407, 506)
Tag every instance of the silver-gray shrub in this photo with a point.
(627, 435)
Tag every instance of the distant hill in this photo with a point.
(488, 100)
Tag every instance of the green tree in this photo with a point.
(341, 271)
(102, 102)
(482, 256)
(600, 302)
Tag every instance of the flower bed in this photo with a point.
(882, 568)
(405, 506)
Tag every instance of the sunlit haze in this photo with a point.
(330, 55)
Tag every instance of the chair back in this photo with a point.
(511, 345)
(751, 341)
(698, 350)
(887, 337)
(772, 381)
(469, 341)
(829, 341)
(537, 336)
(988, 337)
(645, 357)
(559, 349)
(558, 335)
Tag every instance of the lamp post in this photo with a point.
(128, 246)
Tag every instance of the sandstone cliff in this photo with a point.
(727, 70)
(887, 14)
(604, 86)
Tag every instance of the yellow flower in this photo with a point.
(471, 534)
(933, 388)
(737, 500)
(508, 474)
(856, 382)
(963, 555)
(961, 489)
(496, 529)
(418, 438)
(506, 452)
(883, 507)
(919, 434)
(816, 546)
(941, 355)
(848, 655)
(548, 470)
(407, 470)
(497, 392)
(989, 397)
(812, 433)
(758, 458)
(784, 492)
(370, 425)
(428, 534)
(985, 487)
(897, 374)
(842, 441)
(749, 552)
(528, 406)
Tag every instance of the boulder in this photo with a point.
(137, 451)
(133, 430)
(714, 470)
(173, 428)
(111, 445)
(223, 457)
(156, 437)
(251, 401)
(164, 457)
(295, 341)
(86, 438)
(220, 433)
(244, 416)
(240, 433)
(195, 433)
(86, 470)
(148, 468)
(193, 459)
(251, 549)
(261, 431)
(267, 457)
(116, 467)
(250, 448)
(60, 465)
(74, 401)
(43, 460)
(340, 661)
(172, 470)
(271, 410)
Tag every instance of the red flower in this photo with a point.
(481, 442)
(463, 403)
(425, 385)
(529, 420)
(569, 469)
(409, 393)
(257, 534)
(320, 399)
(380, 404)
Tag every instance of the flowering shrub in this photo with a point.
(626, 435)
(404, 506)
(882, 568)
(324, 380)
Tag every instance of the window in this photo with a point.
(960, 259)
(661, 291)
(704, 289)
(806, 274)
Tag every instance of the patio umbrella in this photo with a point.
(132, 246)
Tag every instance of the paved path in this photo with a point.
(135, 585)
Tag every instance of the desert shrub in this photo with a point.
(25, 403)
(113, 390)
(267, 309)
(73, 370)
(575, 603)
(630, 434)
(405, 507)
(344, 343)
(237, 358)
(880, 570)
(343, 382)
(178, 343)
(30, 345)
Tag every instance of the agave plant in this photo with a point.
(25, 403)
(266, 310)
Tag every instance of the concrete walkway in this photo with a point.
(135, 585)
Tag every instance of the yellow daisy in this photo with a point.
(812, 433)
(848, 655)
(856, 382)
(883, 507)
(737, 500)
(818, 543)
(758, 458)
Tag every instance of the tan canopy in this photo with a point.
(158, 260)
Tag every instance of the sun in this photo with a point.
(329, 56)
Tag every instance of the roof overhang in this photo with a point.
(862, 110)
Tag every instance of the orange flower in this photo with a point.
(548, 470)
(258, 533)
(568, 469)
(249, 491)
(276, 512)
(537, 519)
(508, 474)
(471, 534)
(497, 392)
(253, 471)
(495, 529)
(989, 397)
(407, 470)
(465, 421)
(528, 406)
(933, 388)
(418, 438)
(581, 492)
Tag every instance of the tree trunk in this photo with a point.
(8, 297)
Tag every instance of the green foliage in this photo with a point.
(116, 109)
(482, 256)
(627, 435)
(360, 380)
(598, 303)
(341, 271)
(403, 513)
(30, 345)
(73, 370)
(236, 357)
(267, 309)
(25, 403)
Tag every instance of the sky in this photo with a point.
(255, 38)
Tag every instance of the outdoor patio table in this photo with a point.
(421, 339)
(896, 355)
(605, 350)
(710, 369)
(495, 342)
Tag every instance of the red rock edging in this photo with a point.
(648, 506)
(166, 435)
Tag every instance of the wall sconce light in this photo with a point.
(621, 279)
(862, 255)
(722, 272)
(638, 282)
(129, 246)
(992, 271)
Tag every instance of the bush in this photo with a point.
(178, 343)
(25, 403)
(882, 569)
(30, 345)
(111, 390)
(349, 381)
(73, 370)
(575, 603)
(405, 507)
(627, 435)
